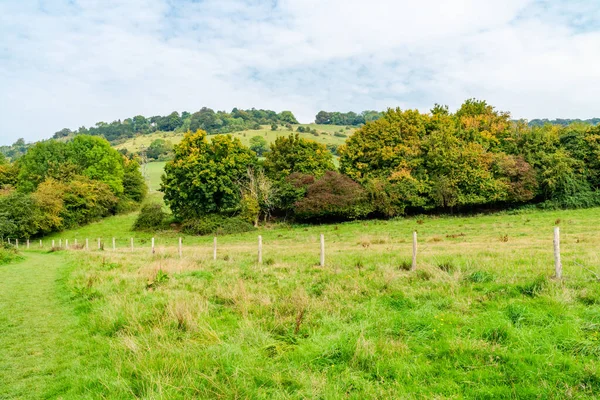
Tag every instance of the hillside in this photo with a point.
(326, 136)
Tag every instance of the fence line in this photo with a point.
(558, 270)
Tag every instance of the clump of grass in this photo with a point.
(359, 264)
(503, 238)
(455, 235)
(160, 278)
(436, 239)
(517, 314)
(423, 275)
(405, 265)
(588, 299)
(533, 288)
(496, 335)
(447, 266)
(270, 261)
(479, 277)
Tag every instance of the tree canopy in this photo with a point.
(206, 176)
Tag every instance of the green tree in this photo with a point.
(158, 148)
(206, 177)
(258, 144)
(295, 154)
(287, 117)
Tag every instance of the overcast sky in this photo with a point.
(75, 62)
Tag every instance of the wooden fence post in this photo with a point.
(53, 243)
(67, 244)
(414, 252)
(322, 250)
(17, 243)
(60, 243)
(99, 244)
(27, 244)
(114, 245)
(259, 249)
(152, 245)
(180, 249)
(215, 248)
(557, 263)
(87, 244)
(41, 244)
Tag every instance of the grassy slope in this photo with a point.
(326, 136)
(493, 326)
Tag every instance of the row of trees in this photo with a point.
(349, 118)
(58, 185)
(206, 119)
(406, 161)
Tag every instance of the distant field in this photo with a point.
(154, 171)
(480, 318)
(326, 136)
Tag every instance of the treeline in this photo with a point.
(206, 119)
(349, 118)
(58, 185)
(406, 161)
(563, 122)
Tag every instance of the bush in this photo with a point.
(334, 197)
(216, 224)
(151, 217)
(342, 135)
(8, 254)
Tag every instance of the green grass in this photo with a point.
(482, 316)
(326, 136)
(154, 171)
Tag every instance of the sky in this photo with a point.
(68, 63)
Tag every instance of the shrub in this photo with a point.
(342, 135)
(334, 197)
(8, 254)
(216, 224)
(151, 217)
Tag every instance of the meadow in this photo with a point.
(326, 136)
(481, 317)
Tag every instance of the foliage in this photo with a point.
(159, 149)
(258, 144)
(19, 216)
(295, 154)
(8, 254)
(333, 197)
(349, 118)
(151, 218)
(205, 177)
(216, 224)
(134, 187)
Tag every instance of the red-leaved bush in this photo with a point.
(333, 197)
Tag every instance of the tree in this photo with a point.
(205, 177)
(134, 186)
(287, 117)
(158, 148)
(258, 144)
(295, 154)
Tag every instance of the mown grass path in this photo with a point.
(43, 351)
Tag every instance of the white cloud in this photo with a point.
(73, 63)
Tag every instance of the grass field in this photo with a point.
(480, 318)
(326, 136)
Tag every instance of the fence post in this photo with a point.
(259, 249)
(99, 244)
(8, 240)
(114, 245)
(67, 244)
(131, 242)
(27, 244)
(17, 243)
(53, 243)
(87, 244)
(322, 250)
(152, 245)
(75, 243)
(60, 243)
(180, 249)
(215, 248)
(41, 244)
(557, 263)
(414, 253)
